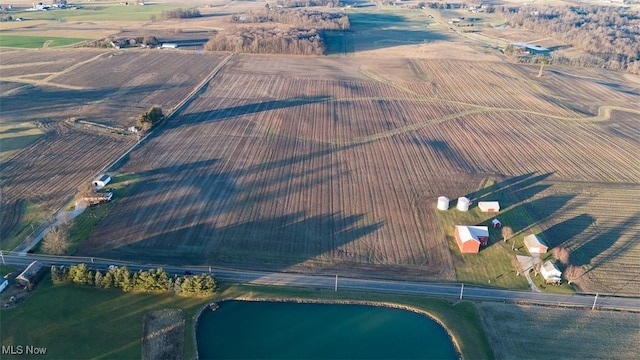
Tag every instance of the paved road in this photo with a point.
(452, 291)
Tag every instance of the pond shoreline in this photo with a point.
(214, 305)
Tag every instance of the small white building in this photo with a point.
(496, 223)
(169, 46)
(3, 284)
(463, 204)
(550, 272)
(535, 245)
(102, 181)
(489, 206)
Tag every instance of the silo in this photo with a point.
(463, 204)
(443, 203)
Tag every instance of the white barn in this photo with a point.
(102, 181)
(489, 206)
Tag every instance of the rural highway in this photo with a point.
(452, 291)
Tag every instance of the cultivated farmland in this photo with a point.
(335, 163)
(525, 332)
(82, 101)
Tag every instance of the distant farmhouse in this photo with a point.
(535, 245)
(469, 238)
(531, 49)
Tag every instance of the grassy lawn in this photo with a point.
(14, 137)
(89, 323)
(104, 12)
(494, 264)
(22, 41)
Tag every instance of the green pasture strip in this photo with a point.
(32, 42)
(15, 137)
(89, 323)
(32, 217)
(97, 323)
(104, 12)
(461, 319)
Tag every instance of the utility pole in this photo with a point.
(461, 291)
(593, 307)
(336, 286)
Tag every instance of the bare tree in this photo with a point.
(56, 241)
(573, 273)
(507, 233)
(562, 254)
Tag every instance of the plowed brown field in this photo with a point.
(98, 87)
(318, 168)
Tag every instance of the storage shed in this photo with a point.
(443, 203)
(489, 206)
(469, 238)
(535, 245)
(463, 204)
(496, 223)
(102, 181)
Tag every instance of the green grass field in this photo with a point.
(87, 323)
(90, 323)
(14, 137)
(103, 12)
(32, 42)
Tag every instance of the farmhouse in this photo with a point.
(28, 277)
(535, 245)
(469, 238)
(550, 273)
(102, 181)
(489, 206)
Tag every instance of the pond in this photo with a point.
(286, 330)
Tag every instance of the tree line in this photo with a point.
(308, 3)
(295, 41)
(311, 19)
(181, 14)
(153, 280)
(609, 35)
